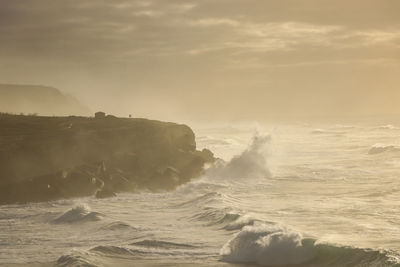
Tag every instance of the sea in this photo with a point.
(281, 194)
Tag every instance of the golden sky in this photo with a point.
(209, 59)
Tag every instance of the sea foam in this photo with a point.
(266, 245)
(272, 245)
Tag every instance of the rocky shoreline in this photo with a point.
(49, 158)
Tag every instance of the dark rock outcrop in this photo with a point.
(47, 158)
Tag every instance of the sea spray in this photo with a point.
(251, 163)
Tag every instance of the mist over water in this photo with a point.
(298, 195)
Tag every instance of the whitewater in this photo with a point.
(281, 195)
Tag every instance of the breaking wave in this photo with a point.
(381, 148)
(226, 218)
(241, 222)
(80, 213)
(278, 246)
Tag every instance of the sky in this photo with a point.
(209, 59)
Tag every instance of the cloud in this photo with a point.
(90, 29)
(210, 22)
(375, 37)
(183, 47)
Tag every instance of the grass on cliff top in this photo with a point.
(11, 124)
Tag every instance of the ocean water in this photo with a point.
(286, 195)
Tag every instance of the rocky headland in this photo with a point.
(48, 158)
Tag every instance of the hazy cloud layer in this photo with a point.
(280, 56)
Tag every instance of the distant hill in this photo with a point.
(42, 100)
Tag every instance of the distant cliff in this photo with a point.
(46, 158)
(42, 100)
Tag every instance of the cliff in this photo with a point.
(46, 158)
(42, 100)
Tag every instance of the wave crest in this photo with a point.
(381, 148)
(80, 213)
(266, 245)
(118, 226)
(240, 222)
(277, 246)
(74, 260)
